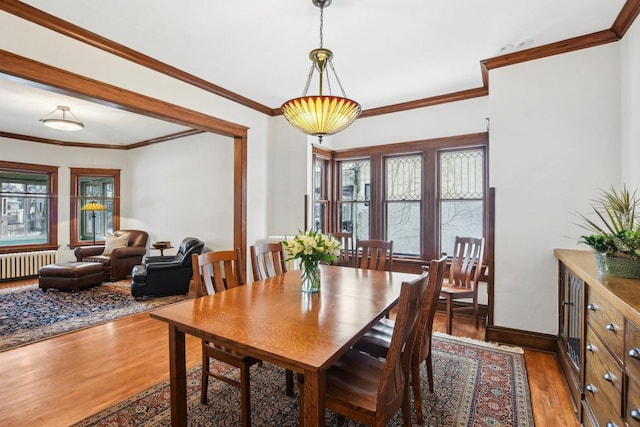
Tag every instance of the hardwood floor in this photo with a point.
(62, 380)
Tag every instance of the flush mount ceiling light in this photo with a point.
(63, 119)
(321, 115)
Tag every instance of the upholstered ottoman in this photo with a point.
(71, 275)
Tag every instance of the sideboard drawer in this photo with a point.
(602, 409)
(632, 350)
(603, 375)
(607, 322)
(633, 403)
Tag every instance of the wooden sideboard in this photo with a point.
(599, 341)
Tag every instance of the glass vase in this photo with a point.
(310, 276)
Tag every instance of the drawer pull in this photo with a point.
(611, 327)
(591, 307)
(590, 347)
(635, 414)
(590, 388)
(608, 377)
(611, 424)
(634, 353)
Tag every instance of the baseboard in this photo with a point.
(527, 339)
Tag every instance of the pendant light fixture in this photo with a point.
(62, 119)
(321, 115)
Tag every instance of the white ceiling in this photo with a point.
(385, 52)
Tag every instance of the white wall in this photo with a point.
(288, 170)
(554, 142)
(455, 118)
(184, 188)
(630, 78)
(12, 150)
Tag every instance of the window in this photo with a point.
(320, 193)
(418, 194)
(102, 186)
(403, 204)
(354, 197)
(461, 196)
(28, 207)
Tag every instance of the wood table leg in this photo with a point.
(178, 377)
(313, 389)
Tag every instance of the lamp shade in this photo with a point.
(321, 115)
(62, 119)
(93, 206)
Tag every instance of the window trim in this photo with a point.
(76, 175)
(52, 172)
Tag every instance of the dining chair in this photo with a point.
(374, 254)
(377, 341)
(462, 279)
(267, 260)
(371, 390)
(216, 272)
(346, 248)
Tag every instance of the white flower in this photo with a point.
(312, 246)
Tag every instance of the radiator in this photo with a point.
(24, 265)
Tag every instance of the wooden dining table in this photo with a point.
(274, 321)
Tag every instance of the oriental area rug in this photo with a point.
(475, 383)
(28, 314)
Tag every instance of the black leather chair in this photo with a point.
(166, 275)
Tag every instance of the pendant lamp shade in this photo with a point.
(321, 115)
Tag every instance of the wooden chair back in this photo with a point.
(394, 383)
(217, 271)
(346, 250)
(374, 254)
(267, 260)
(466, 262)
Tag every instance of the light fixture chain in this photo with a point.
(328, 79)
(321, 24)
(306, 86)
(337, 79)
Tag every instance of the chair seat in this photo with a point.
(354, 381)
(227, 356)
(377, 339)
(458, 290)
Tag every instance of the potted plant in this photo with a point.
(615, 233)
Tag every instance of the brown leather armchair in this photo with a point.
(121, 261)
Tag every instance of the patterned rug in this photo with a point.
(27, 314)
(476, 384)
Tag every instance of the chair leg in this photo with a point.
(449, 314)
(406, 408)
(415, 383)
(289, 379)
(475, 312)
(429, 363)
(300, 381)
(204, 382)
(245, 395)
